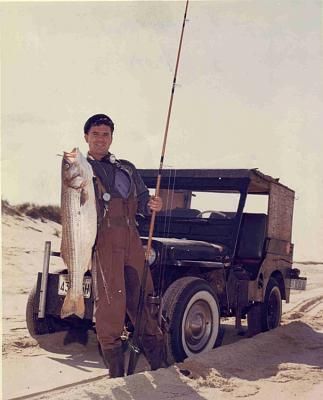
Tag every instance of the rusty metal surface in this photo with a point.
(280, 211)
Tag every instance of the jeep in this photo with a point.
(222, 247)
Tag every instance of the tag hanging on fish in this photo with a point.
(106, 197)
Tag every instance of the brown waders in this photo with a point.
(119, 266)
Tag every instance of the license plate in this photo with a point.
(298, 283)
(64, 284)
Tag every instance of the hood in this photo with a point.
(182, 249)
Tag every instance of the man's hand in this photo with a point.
(155, 203)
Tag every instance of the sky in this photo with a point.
(249, 92)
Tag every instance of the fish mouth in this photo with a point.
(70, 157)
(71, 174)
(74, 173)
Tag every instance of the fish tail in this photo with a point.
(73, 306)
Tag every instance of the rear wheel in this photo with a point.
(272, 306)
(265, 316)
(191, 312)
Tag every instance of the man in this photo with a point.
(119, 255)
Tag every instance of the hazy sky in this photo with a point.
(250, 92)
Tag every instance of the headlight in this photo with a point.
(152, 255)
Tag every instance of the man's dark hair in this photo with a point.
(98, 119)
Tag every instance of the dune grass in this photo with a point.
(35, 211)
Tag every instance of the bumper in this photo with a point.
(54, 301)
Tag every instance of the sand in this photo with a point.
(285, 363)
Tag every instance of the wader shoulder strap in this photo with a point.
(99, 191)
(100, 187)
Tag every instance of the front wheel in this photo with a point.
(192, 318)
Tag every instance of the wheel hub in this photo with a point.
(198, 326)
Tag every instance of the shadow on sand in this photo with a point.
(281, 355)
(261, 357)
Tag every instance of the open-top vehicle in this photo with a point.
(222, 248)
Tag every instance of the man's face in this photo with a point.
(99, 139)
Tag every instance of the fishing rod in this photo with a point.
(135, 342)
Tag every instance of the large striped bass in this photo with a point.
(79, 226)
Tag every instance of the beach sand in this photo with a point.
(284, 363)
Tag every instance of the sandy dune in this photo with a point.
(285, 363)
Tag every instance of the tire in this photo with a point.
(265, 316)
(272, 306)
(192, 318)
(35, 325)
(41, 326)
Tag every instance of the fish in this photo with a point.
(79, 227)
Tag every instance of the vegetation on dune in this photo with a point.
(46, 212)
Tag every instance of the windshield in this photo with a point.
(215, 205)
(186, 203)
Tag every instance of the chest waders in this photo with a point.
(119, 259)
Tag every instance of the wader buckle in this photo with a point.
(154, 303)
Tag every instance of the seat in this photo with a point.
(251, 243)
(222, 215)
(184, 212)
(218, 215)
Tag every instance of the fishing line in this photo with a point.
(169, 205)
(153, 216)
(166, 229)
(138, 328)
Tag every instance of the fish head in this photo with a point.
(72, 175)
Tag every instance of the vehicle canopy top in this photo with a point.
(251, 180)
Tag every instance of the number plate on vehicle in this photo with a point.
(298, 283)
(63, 285)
